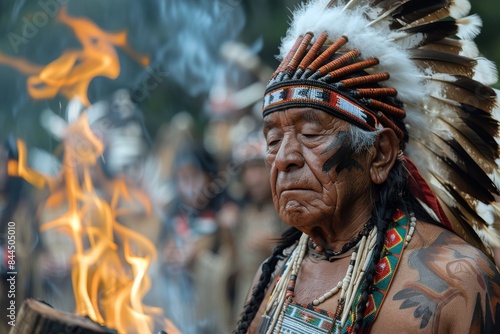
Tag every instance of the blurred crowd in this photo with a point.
(202, 198)
(211, 220)
(203, 201)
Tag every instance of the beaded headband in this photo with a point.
(334, 82)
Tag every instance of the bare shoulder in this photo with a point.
(445, 285)
(446, 248)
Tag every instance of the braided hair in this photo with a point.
(288, 238)
(392, 195)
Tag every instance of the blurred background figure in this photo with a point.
(259, 225)
(119, 122)
(197, 247)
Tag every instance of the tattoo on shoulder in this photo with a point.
(443, 270)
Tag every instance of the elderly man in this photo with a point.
(378, 242)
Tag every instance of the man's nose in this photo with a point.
(289, 155)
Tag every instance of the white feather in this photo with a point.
(377, 16)
(485, 211)
(460, 8)
(496, 110)
(469, 49)
(350, 4)
(436, 90)
(491, 234)
(372, 43)
(406, 41)
(485, 71)
(495, 176)
(469, 27)
(490, 238)
(429, 210)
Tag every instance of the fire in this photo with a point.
(110, 263)
(71, 73)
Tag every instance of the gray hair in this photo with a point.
(361, 139)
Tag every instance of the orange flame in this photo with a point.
(108, 288)
(71, 73)
(110, 263)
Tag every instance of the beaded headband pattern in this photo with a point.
(315, 95)
(411, 66)
(309, 77)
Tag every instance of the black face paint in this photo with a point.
(343, 157)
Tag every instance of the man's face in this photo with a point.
(316, 177)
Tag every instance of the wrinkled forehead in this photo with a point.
(300, 116)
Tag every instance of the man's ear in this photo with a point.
(386, 152)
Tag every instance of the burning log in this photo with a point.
(36, 317)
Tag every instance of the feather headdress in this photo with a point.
(410, 65)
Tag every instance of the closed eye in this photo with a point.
(311, 135)
(273, 142)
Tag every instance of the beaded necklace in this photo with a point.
(332, 255)
(280, 303)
